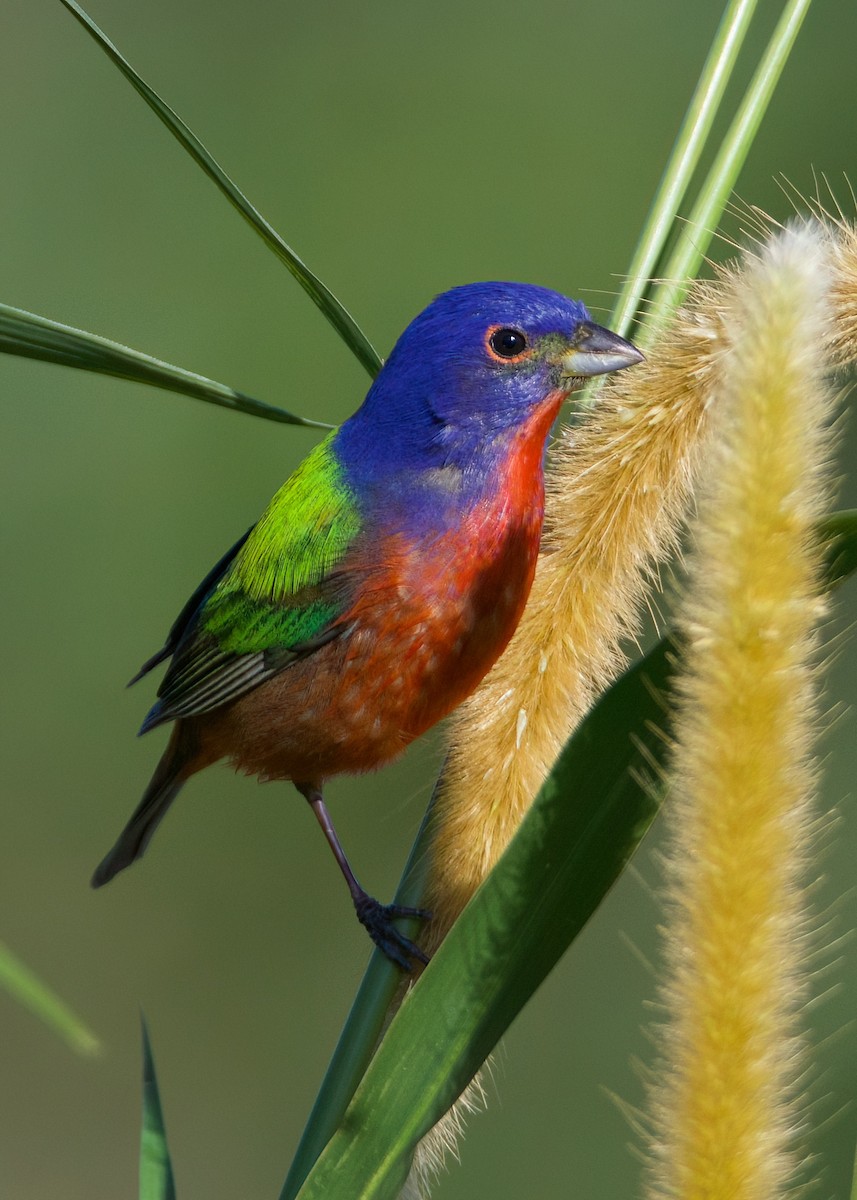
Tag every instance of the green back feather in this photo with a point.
(274, 593)
(305, 531)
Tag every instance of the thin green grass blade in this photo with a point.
(156, 1171)
(36, 996)
(334, 311)
(695, 237)
(31, 336)
(554, 875)
(684, 159)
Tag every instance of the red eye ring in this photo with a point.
(506, 344)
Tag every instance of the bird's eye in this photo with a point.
(507, 343)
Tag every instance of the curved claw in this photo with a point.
(377, 919)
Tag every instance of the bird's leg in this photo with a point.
(375, 917)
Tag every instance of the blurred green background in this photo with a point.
(401, 149)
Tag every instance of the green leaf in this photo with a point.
(572, 845)
(322, 297)
(156, 1172)
(36, 996)
(31, 336)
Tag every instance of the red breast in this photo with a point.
(429, 620)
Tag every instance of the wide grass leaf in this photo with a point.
(572, 845)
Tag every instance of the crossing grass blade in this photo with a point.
(31, 336)
(322, 297)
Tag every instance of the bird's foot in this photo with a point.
(378, 920)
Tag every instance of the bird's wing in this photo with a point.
(187, 614)
(237, 644)
(278, 595)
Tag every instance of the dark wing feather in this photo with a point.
(183, 620)
(203, 675)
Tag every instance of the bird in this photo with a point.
(386, 575)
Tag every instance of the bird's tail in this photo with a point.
(170, 775)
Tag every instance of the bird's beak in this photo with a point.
(595, 351)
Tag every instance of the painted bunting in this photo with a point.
(387, 574)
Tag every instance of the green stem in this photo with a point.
(684, 158)
(695, 237)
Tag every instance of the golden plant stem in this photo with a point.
(725, 1111)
